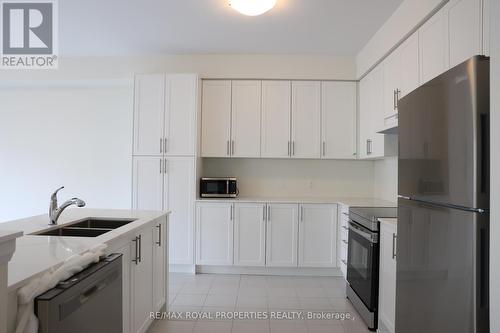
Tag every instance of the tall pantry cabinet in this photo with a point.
(164, 150)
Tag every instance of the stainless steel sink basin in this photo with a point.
(91, 227)
(73, 232)
(100, 223)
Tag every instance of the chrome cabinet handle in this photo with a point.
(159, 235)
(398, 93)
(136, 259)
(227, 148)
(140, 247)
(293, 148)
(324, 148)
(231, 217)
(368, 146)
(394, 99)
(161, 145)
(394, 246)
(344, 213)
(232, 147)
(269, 213)
(165, 145)
(165, 166)
(344, 262)
(344, 227)
(160, 165)
(264, 211)
(345, 242)
(289, 149)
(301, 213)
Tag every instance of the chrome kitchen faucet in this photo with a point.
(55, 212)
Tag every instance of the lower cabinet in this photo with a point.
(387, 278)
(343, 239)
(318, 235)
(250, 234)
(143, 276)
(214, 233)
(282, 235)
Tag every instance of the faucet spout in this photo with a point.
(55, 212)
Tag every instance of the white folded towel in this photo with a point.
(27, 322)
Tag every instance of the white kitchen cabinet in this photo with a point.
(216, 118)
(434, 46)
(318, 235)
(465, 27)
(387, 279)
(276, 113)
(371, 115)
(142, 280)
(281, 235)
(180, 114)
(343, 238)
(179, 187)
(306, 119)
(160, 261)
(245, 118)
(214, 233)
(338, 120)
(147, 187)
(401, 76)
(250, 234)
(149, 110)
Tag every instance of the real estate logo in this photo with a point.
(29, 34)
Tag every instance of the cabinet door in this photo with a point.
(392, 79)
(275, 130)
(282, 235)
(338, 120)
(306, 119)
(214, 234)
(149, 106)
(143, 281)
(160, 262)
(179, 199)
(318, 235)
(410, 75)
(245, 118)
(434, 46)
(249, 234)
(376, 147)
(216, 118)
(364, 117)
(465, 29)
(147, 184)
(180, 114)
(387, 292)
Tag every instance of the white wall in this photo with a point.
(79, 137)
(292, 178)
(409, 15)
(386, 179)
(495, 166)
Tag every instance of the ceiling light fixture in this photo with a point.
(252, 7)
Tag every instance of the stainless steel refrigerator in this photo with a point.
(443, 205)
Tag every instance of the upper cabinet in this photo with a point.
(245, 118)
(149, 112)
(279, 119)
(465, 27)
(338, 120)
(165, 114)
(216, 119)
(275, 132)
(401, 76)
(433, 46)
(306, 119)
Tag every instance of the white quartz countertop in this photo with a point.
(36, 254)
(8, 235)
(351, 202)
(391, 221)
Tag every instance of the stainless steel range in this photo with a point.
(363, 260)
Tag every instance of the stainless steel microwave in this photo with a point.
(224, 187)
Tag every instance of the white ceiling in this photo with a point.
(151, 27)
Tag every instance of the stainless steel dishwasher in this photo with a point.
(90, 301)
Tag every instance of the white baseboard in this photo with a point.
(287, 271)
(181, 269)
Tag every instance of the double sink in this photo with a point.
(90, 227)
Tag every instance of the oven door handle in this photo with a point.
(372, 237)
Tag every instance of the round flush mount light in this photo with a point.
(252, 7)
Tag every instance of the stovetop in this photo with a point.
(368, 216)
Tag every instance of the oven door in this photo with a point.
(362, 264)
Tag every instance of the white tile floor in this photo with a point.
(210, 294)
